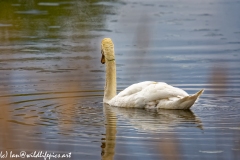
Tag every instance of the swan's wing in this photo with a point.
(134, 88)
(140, 94)
(161, 90)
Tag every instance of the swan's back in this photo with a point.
(150, 94)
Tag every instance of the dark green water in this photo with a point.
(51, 78)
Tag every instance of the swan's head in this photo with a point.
(107, 50)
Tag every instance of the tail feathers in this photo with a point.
(187, 102)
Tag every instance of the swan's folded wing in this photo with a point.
(134, 88)
(160, 91)
(129, 97)
(139, 94)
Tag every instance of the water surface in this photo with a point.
(51, 81)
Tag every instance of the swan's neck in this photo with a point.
(110, 85)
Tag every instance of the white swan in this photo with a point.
(146, 94)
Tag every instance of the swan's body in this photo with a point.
(146, 94)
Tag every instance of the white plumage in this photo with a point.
(146, 94)
(151, 94)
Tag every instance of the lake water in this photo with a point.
(51, 78)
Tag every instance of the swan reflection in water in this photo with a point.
(155, 121)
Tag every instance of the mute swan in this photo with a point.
(146, 94)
